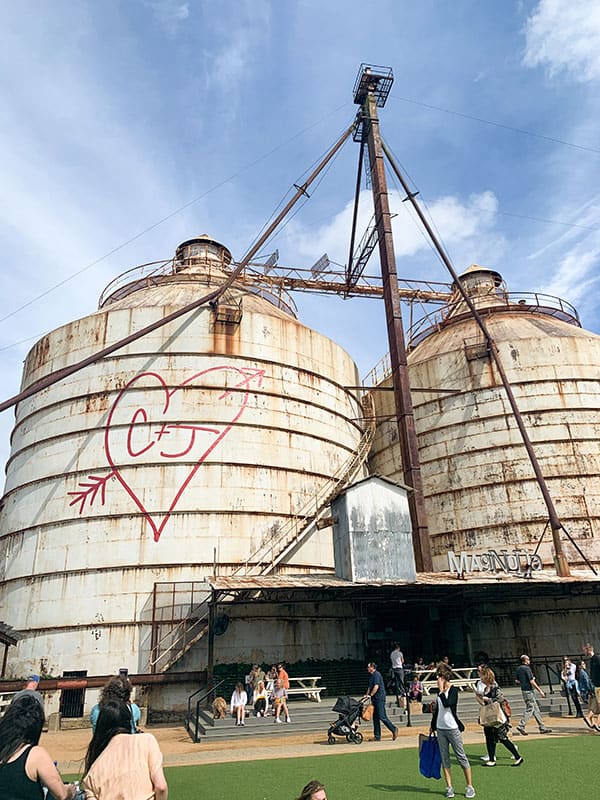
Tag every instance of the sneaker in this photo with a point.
(484, 758)
(469, 791)
(288, 719)
(450, 792)
(278, 720)
(522, 731)
(546, 730)
(518, 761)
(395, 734)
(587, 722)
(242, 723)
(489, 764)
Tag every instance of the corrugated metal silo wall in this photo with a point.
(192, 443)
(479, 486)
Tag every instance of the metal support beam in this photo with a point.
(404, 409)
(560, 560)
(211, 296)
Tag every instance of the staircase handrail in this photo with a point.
(207, 690)
(199, 612)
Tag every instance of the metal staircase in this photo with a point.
(299, 527)
(181, 634)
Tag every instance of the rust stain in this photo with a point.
(40, 353)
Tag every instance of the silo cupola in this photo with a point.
(201, 251)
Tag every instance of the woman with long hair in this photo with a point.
(117, 688)
(313, 791)
(239, 701)
(497, 733)
(279, 701)
(449, 729)
(25, 767)
(118, 764)
(260, 700)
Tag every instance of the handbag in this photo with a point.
(491, 715)
(367, 712)
(430, 760)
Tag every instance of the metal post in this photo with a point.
(210, 297)
(560, 561)
(210, 656)
(404, 409)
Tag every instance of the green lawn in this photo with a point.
(554, 767)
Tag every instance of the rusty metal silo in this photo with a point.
(186, 449)
(480, 490)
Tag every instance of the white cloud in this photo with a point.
(578, 272)
(465, 227)
(565, 37)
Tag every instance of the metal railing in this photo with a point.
(192, 720)
(151, 274)
(522, 302)
(178, 623)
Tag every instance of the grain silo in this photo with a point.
(179, 455)
(479, 486)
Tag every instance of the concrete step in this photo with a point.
(310, 717)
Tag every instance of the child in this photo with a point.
(415, 690)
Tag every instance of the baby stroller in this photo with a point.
(347, 723)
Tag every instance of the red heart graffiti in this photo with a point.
(139, 424)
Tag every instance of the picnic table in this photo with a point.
(462, 677)
(307, 686)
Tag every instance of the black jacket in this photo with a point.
(448, 702)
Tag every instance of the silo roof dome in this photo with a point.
(476, 269)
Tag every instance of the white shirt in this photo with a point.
(238, 699)
(445, 718)
(397, 659)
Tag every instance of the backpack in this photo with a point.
(507, 709)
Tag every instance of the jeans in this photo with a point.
(531, 710)
(398, 681)
(379, 716)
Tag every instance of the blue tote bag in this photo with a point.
(430, 760)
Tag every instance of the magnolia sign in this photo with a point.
(514, 562)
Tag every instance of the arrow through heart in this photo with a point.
(144, 424)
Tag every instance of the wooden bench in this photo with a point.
(307, 686)
(461, 678)
(5, 701)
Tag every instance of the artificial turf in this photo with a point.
(553, 767)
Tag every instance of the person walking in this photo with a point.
(449, 729)
(592, 718)
(397, 659)
(569, 679)
(526, 681)
(376, 692)
(495, 733)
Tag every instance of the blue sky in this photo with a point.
(118, 114)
